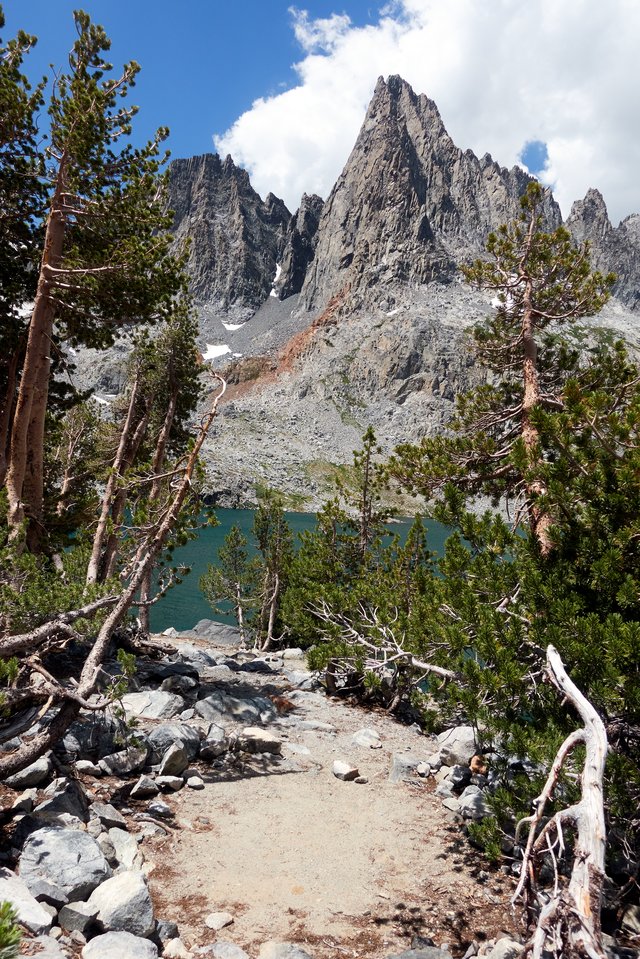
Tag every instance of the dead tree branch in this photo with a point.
(568, 919)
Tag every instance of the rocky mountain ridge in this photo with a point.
(352, 312)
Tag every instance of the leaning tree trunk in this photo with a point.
(568, 923)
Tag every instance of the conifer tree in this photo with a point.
(234, 580)
(105, 259)
(541, 282)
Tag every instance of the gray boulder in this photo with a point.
(153, 704)
(108, 815)
(49, 893)
(367, 738)
(253, 739)
(126, 761)
(78, 916)
(34, 775)
(65, 796)
(403, 766)
(29, 911)
(169, 734)
(173, 783)
(473, 804)
(69, 858)
(457, 745)
(144, 788)
(216, 707)
(124, 904)
(127, 850)
(119, 945)
(174, 761)
(92, 737)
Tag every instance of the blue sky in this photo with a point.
(284, 88)
(203, 62)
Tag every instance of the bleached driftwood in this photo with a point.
(568, 918)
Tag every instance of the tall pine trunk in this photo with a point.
(25, 470)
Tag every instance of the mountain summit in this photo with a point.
(409, 204)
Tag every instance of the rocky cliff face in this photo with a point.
(236, 237)
(300, 246)
(613, 249)
(409, 205)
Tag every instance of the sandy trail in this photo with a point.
(342, 868)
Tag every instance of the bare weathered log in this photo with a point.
(568, 919)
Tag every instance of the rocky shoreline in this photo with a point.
(85, 828)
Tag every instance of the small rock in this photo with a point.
(108, 849)
(457, 745)
(423, 770)
(506, 949)
(451, 804)
(195, 782)
(175, 949)
(77, 915)
(144, 788)
(25, 801)
(473, 804)
(174, 761)
(282, 950)
(218, 920)
(367, 738)
(426, 952)
(108, 815)
(159, 808)
(119, 945)
(344, 771)
(459, 775)
(361, 780)
(253, 739)
(30, 912)
(166, 929)
(172, 783)
(444, 790)
(434, 762)
(33, 775)
(86, 768)
(65, 795)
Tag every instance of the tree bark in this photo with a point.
(159, 456)
(24, 478)
(7, 411)
(540, 521)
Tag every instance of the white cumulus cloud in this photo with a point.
(502, 73)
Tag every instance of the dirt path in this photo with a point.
(343, 868)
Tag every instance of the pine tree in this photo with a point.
(234, 580)
(105, 259)
(275, 545)
(541, 282)
(21, 203)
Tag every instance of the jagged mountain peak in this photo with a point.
(236, 237)
(409, 205)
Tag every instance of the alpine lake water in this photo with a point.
(184, 605)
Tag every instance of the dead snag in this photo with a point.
(568, 916)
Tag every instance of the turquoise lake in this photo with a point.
(184, 605)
